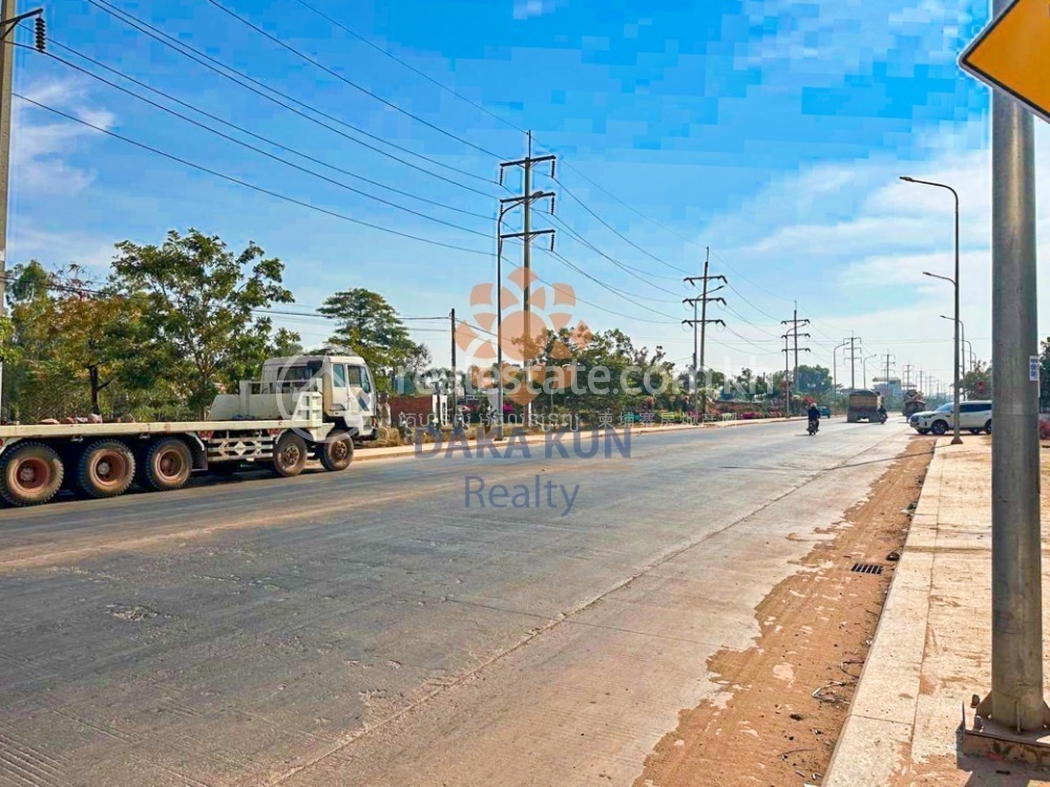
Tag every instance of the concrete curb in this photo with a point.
(402, 451)
(877, 737)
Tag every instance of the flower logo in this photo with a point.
(526, 335)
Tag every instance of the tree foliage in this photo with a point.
(977, 383)
(813, 380)
(64, 349)
(369, 326)
(201, 324)
(173, 324)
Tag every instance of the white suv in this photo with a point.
(974, 416)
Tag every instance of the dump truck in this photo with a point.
(913, 403)
(304, 407)
(863, 404)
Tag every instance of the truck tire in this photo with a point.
(939, 428)
(166, 465)
(336, 452)
(289, 455)
(106, 469)
(30, 474)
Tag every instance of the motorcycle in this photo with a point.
(814, 425)
(883, 417)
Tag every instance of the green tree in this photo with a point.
(63, 351)
(813, 380)
(977, 383)
(201, 324)
(369, 326)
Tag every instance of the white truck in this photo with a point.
(312, 405)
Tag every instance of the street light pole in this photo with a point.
(865, 366)
(962, 341)
(835, 365)
(956, 439)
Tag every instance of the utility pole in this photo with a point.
(795, 323)
(529, 349)
(886, 379)
(700, 407)
(455, 393)
(9, 19)
(852, 362)
(791, 334)
(1015, 701)
(907, 376)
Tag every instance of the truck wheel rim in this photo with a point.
(290, 456)
(339, 450)
(32, 474)
(169, 464)
(111, 468)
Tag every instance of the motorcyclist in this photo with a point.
(814, 413)
(882, 412)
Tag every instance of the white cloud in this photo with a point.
(526, 9)
(59, 247)
(863, 239)
(42, 142)
(850, 35)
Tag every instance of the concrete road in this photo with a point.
(378, 627)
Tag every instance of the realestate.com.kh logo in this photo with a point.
(526, 337)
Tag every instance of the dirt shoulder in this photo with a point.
(786, 698)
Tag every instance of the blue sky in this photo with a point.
(770, 130)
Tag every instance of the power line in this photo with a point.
(220, 68)
(246, 184)
(262, 152)
(616, 231)
(407, 65)
(350, 82)
(608, 287)
(629, 269)
(630, 207)
(239, 128)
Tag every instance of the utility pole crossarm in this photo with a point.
(525, 201)
(701, 322)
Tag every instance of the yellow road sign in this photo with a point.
(1013, 54)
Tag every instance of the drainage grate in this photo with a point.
(866, 568)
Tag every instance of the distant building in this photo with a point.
(889, 387)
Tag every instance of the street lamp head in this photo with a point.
(907, 179)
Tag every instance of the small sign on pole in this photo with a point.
(1033, 368)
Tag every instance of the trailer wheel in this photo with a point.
(289, 455)
(167, 464)
(337, 452)
(30, 474)
(106, 469)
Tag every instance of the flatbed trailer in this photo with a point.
(104, 459)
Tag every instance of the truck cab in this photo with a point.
(345, 382)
